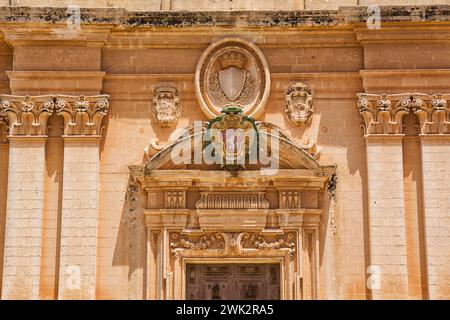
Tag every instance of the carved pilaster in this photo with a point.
(382, 113)
(26, 115)
(3, 130)
(82, 114)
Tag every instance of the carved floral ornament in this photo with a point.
(383, 113)
(27, 115)
(233, 243)
(166, 106)
(232, 72)
(299, 104)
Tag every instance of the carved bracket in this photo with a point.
(27, 115)
(82, 114)
(383, 114)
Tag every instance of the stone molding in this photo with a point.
(82, 114)
(353, 15)
(27, 115)
(232, 200)
(233, 243)
(383, 113)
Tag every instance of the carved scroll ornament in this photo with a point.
(27, 115)
(383, 113)
(82, 114)
(233, 243)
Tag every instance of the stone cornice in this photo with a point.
(82, 115)
(17, 34)
(401, 80)
(72, 82)
(27, 115)
(292, 18)
(205, 180)
(383, 113)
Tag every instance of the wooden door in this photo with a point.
(233, 281)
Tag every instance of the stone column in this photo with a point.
(434, 122)
(82, 124)
(388, 274)
(27, 117)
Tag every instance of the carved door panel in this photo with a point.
(233, 282)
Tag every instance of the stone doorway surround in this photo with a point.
(205, 215)
(232, 281)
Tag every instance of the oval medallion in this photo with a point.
(232, 73)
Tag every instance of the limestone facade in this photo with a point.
(107, 191)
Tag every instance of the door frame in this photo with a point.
(183, 261)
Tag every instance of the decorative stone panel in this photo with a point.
(299, 104)
(166, 106)
(227, 200)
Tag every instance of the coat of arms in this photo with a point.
(232, 72)
(166, 106)
(232, 84)
(235, 139)
(299, 104)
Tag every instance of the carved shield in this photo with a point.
(232, 81)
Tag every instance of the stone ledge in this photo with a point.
(179, 19)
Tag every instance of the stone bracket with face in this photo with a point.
(299, 104)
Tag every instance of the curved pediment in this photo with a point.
(287, 153)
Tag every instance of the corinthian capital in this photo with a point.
(82, 114)
(434, 114)
(383, 113)
(26, 115)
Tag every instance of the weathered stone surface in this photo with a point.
(90, 197)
